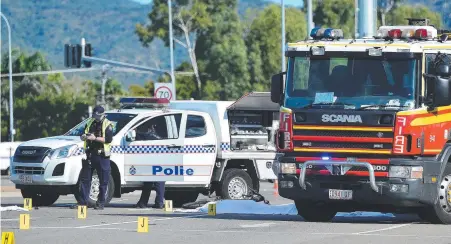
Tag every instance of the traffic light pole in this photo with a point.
(116, 63)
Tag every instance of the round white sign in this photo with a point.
(163, 92)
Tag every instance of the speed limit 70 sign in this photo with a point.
(164, 90)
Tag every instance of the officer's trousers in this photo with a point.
(103, 169)
(147, 188)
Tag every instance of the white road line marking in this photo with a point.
(129, 222)
(120, 200)
(388, 228)
(257, 225)
(14, 219)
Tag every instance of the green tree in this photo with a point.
(264, 46)
(190, 18)
(222, 52)
(335, 14)
(398, 15)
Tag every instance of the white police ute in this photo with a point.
(187, 144)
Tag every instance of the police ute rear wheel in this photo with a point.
(440, 213)
(235, 184)
(94, 192)
(312, 212)
(40, 198)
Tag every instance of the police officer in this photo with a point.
(97, 137)
(145, 194)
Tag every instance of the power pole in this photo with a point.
(171, 47)
(309, 17)
(283, 36)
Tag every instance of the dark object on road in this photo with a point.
(194, 205)
(254, 195)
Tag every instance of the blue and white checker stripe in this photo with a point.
(225, 146)
(158, 149)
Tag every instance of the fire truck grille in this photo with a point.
(335, 133)
(354, 145)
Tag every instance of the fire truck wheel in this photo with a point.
(440, 213)
(40, 198)
(312, 212)
(235, 184)
(180, 197)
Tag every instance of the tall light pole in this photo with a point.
(283, 35)
(309, 17)
(171, 47)
(11, 109)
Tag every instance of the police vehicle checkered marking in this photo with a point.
(142, 149)
(198, 149)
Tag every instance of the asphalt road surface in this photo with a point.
(118, 224)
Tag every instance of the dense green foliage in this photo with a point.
(234, 46)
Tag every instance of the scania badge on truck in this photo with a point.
(365, 124)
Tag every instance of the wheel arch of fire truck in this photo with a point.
(425, 156)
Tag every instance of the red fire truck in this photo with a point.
(365, 124)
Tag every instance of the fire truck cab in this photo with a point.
(365, 124)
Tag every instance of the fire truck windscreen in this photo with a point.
(354, 81)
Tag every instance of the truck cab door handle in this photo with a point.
(173, 146)
(208, 145)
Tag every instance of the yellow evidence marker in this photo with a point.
(82, 212)
(8, 238)
(212, 209)
(24, 221)
(168, 205)
(27, 203)
(143, 224)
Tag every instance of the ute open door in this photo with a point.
(153, 149)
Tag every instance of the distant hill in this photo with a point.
(107, 24)
(46, 25)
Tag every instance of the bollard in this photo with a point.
(143, 224)
(27, 203)
(212, 209)
(24, 221)
(168, 205)
(82, 211)
(8, 238)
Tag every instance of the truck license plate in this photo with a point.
(340, 194)
(26, 178)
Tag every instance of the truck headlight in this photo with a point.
(62, 152)
(409, 172)
(288, 168)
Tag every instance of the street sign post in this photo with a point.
(164, 90)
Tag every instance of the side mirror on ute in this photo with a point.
(277, 88)
(438, 87)
(131, 136)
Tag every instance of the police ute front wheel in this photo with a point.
(40, 198)
(440, 212)
(95, 188)
(313, 212)
(235, 184)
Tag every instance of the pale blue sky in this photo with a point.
(287, 2)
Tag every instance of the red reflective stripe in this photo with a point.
(343, 139)
(368, 160)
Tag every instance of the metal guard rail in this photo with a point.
(340, 163)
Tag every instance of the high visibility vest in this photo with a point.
(105, 124)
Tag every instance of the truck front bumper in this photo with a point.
(368, 191)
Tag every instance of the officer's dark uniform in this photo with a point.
(145, 195)
(149, 186)
(98, 155)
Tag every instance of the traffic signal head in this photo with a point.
(72, 55)
(88, 52)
